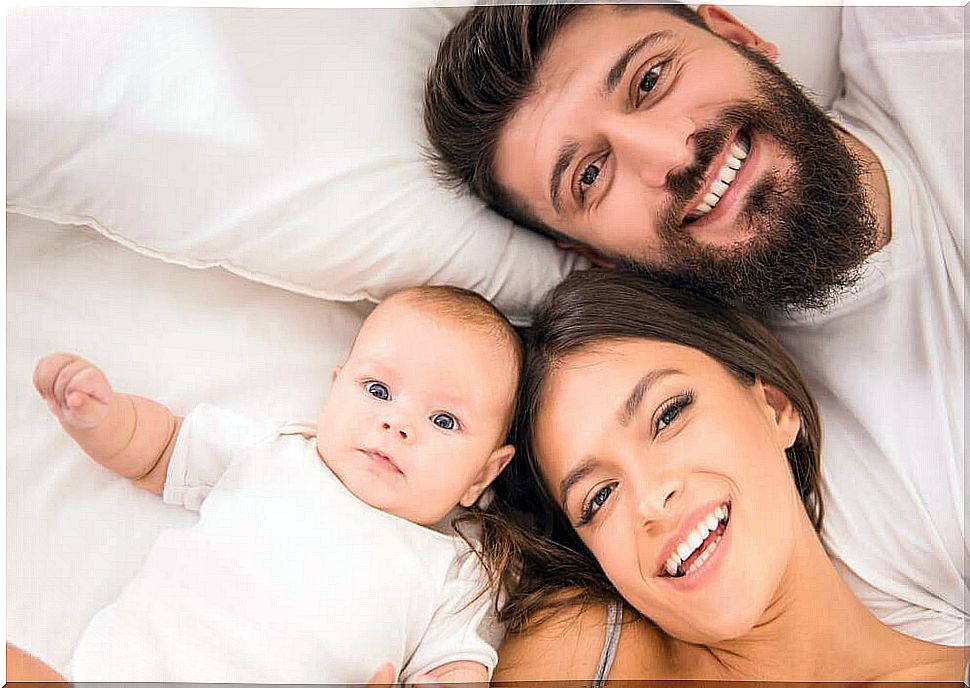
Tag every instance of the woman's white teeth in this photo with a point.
(702, 558)
(727, 174)
(694, 540)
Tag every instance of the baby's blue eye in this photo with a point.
(445, 421)
(378, 390)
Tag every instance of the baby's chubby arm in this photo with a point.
(131, 435)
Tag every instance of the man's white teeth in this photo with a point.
(694, 540)
(727, 174)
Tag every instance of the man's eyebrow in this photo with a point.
(574, 476)
(563, 161)
(619, 67)
(569, 149)
(629, 408)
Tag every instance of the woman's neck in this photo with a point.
(815, 629)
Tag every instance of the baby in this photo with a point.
(313, 560)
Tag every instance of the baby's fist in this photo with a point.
(75, 391)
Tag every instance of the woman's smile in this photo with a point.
(687, 555)
(701, 564)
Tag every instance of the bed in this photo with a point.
(206, 204)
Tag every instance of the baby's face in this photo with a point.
(415, 421)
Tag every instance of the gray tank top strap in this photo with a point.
(614, 620)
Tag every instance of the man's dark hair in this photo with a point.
(486, 66)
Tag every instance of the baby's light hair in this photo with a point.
(472, 309)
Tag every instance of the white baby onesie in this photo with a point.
(286, 577)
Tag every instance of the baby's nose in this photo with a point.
(401, 430)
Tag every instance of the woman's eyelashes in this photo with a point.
(595, 501)
(670, 410)
(668, 413)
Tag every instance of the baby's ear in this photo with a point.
(497, 460)
(336, 372)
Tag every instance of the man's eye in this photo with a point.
(378, 390)
(445, 421)
(588, 178)
(649, 81)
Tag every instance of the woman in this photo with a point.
(675, 450)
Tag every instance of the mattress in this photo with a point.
(76, 533)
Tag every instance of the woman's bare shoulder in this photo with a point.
(564, 644)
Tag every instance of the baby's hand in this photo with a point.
(75, 391)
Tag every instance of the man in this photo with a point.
(667, 141)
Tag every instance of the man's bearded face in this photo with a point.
(631, 121)
(812, 227)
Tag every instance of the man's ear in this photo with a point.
(786, 417)
(497, 460)
(588, 252)
(727, 26)
(336, 372)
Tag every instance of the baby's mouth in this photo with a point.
(699, 544)
(382, 459)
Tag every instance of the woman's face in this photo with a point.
(673, 472)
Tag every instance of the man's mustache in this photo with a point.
(683, 185)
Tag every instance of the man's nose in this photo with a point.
(653, 147)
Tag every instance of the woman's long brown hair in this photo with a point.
(530, 550)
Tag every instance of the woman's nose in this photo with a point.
(657, 498)
(653, 147)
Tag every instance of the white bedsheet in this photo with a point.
(75, 532)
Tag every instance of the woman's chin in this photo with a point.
(721, 626)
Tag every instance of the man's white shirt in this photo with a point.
(886, 362)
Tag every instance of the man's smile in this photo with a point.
(727, 182)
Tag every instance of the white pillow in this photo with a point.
(808, 43)
(283, 145)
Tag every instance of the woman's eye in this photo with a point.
(672, 409)
(445, 421)
(596, 502)
(378, 390)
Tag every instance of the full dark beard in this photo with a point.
(811, 231)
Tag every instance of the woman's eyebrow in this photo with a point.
(632, 403)
(574, 476)
(619, 67)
